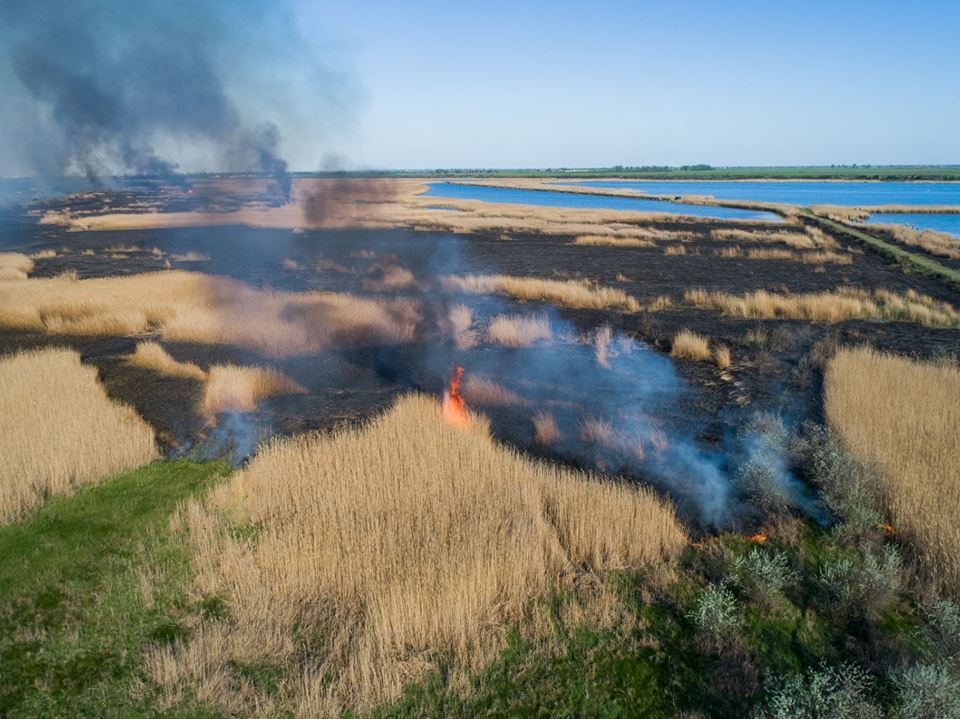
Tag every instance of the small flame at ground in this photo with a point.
(454, 406)
(759, 538)
(887, 529)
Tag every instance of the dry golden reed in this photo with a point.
(482, 390)
(845, 303)
(193, 307)
(816, 257)
(605, 241)
(545, 428)
(151, 355)
(460, 327)
(602, 340)
(721, 356)
(59, 430)
(941, 244)
(14, 266)
(841, 213)
(232, 388)
(903, 417)
(810, 238)
(563, 293)
(690, 345)
(519, 330)
(384, 552)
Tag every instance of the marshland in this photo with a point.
(286, 437)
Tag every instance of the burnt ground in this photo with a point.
(777, 365)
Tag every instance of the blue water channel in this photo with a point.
(545, 198)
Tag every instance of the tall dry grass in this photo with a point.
(605, 241)
(903, 416)
(193, 307)
(232, 388)
(545, 428)
(564, 293)
(460, 326)
(482, 390)
(841, 213)
(16, 261)
(14, 266)
(151, 355)
(810, 238)
(813, 257)
(519, 330)
(845, 303)
(690, 345)
(721, 357)
(59, 430)
(384, 552)
(941, 244)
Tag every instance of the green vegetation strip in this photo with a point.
(942, 173)
(77, 609)
(922, 263)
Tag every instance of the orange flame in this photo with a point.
(454, 407)
(758, 538)
(887, 529)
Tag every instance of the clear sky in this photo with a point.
(516, 84)
(102, 86)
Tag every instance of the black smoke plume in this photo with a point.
(98, 87)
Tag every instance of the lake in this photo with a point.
(940, 223)
(801, 193)
(546, 198)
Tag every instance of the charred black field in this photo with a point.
(775, 365)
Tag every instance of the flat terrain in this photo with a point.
(652, 491)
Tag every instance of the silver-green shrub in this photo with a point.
(716, 610)
(763, 573)
(841, 692)
(926, 690)
(865, 584)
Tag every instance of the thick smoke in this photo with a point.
(97, 87)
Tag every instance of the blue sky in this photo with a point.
(511, 84)
(102, 86)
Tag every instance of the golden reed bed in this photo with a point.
(59, 430)
(384, 552)
(903, 416)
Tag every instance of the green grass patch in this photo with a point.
(87, 582)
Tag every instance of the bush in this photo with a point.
(942, 630)
(763, 474)
(841, 692)
(864, 585)
(763, 483)
(927, 690)
(763, 574)
(716, 612)
(848, 489)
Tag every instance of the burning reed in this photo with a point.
(59, 430)
(383, 551)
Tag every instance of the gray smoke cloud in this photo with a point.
(101, 87)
